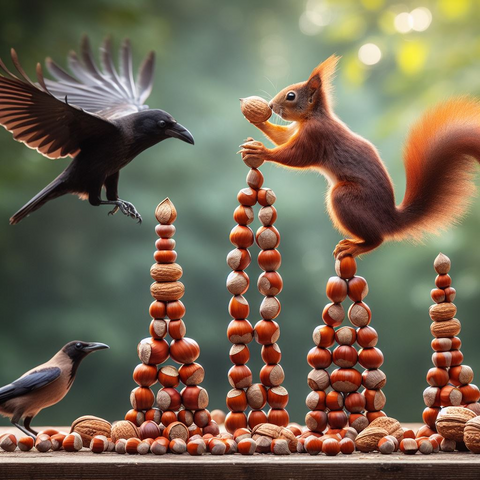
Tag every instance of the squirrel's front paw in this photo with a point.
(253, 147)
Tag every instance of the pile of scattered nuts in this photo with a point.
(458, 429)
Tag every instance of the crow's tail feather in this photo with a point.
(52, 190)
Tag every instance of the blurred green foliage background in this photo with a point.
(71, 272)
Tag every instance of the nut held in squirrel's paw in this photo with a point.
(255, 109)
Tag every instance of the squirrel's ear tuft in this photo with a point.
(325, 71)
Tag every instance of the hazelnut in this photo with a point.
(25, 444)
(99, 444)
(347, 446)
(239, 259)
(238, 307)
(278, 416)
(267, 215)
(247, 446)
(346, 267)
(73, 442)
(271, 354)
(330, 447)
(336, 289)
(8, 442)
(359, 314)
(248, 198)
(256, 396)
(319, 358)
(272, 375)
(241, 236)
(177, 446)
(244, 215)
(269, 260)
(316, 421)
(254, 179)
(318, 379)
(234, 421)
(333, 313)
(324, 336)
(267, 238)
(191, 374)
(255, 109)
(357, 289)
(165, 212)
(194, 398)
(409, 446)
(442, 264)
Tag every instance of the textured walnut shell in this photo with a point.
(167, 292)
(442, 311)
(168, 272)
(391, 425)
(274, 431)
(447, 328)
(451, 422)
(255, 109)
(367, 440)
(471, 435)
(124, 429)
(89, 426)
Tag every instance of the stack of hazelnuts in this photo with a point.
(266, 332)
(167, 311)
(449, 381)
(335, 401)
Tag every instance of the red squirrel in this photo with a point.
(439, 159)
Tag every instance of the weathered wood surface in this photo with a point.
(86, 465)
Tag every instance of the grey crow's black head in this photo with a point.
(78, 350)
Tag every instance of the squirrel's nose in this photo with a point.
(270, 104)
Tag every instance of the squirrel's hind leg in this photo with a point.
(354, 247)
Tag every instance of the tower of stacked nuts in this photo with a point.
(449, 381)
(167, 311)
(344, 404)
(266, 332)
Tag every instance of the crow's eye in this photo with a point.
(291, 96)
(162, 123)
(78, 345)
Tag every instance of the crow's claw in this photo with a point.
(114, 211)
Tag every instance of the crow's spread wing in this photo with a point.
(32, 381)
(106, 92)
(40, 120)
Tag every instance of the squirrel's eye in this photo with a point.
(161, 123)
(78, 345)
(291, 96)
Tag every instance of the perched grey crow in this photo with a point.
(44, 385)
(98, 118)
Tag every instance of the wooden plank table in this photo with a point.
(87, 465)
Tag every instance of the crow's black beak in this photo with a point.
(180, 132)
(95, 346)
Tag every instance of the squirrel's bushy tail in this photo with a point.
(441, 154)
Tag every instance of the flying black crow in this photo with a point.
(97, 117)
